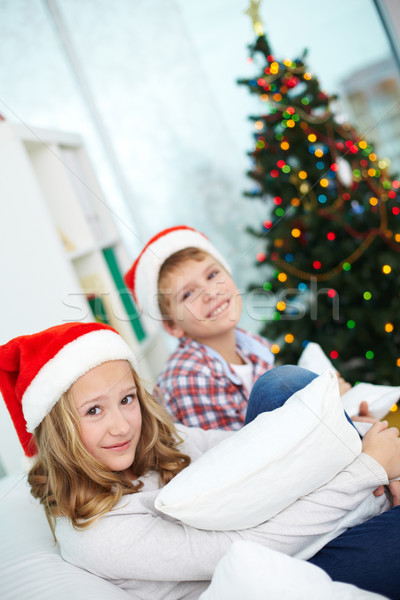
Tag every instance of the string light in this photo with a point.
(275, 349)
(369, 191)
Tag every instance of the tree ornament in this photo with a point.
(332, 226)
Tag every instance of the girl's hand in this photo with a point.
(394, 488)
(382, 443)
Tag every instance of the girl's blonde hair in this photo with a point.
(70, 482)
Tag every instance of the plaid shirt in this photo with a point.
(200, 389)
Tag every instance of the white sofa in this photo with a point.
(31, 567)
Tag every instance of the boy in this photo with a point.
(181, 279)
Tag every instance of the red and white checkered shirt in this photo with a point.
(200, 389)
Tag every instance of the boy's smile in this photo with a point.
(204, 302)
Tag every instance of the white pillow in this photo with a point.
(380, 398)
(274, 460)
(253, 572)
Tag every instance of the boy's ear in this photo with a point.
(173, 329)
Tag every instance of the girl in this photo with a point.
(104, 447)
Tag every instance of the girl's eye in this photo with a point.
(186, 295)
(95, 410)
(212, 274)
(128, 399)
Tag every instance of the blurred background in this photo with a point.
(150, 85)
(149, 89)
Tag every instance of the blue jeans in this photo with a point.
(366, 555)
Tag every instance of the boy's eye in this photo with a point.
(128, 399)
(186, 295)
(212, 274)
(95, 410)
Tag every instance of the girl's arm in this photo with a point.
(197, 441)
(135, 542)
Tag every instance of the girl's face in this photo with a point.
(109, 413)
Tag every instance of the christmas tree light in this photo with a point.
(331, 232)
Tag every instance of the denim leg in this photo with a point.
(274, 387)
(366, 555)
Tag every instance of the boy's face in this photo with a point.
(204, 301)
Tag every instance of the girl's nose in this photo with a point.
(118, 424)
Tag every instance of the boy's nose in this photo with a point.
(212, 291)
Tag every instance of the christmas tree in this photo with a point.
(330, 241)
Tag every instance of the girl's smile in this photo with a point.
(109, 412)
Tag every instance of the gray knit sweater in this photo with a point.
(158, 558)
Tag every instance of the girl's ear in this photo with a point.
(173, 329)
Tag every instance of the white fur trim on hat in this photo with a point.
(151, 261)
(73, 360)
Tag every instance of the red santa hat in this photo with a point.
(35, 370)
(142, 277)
